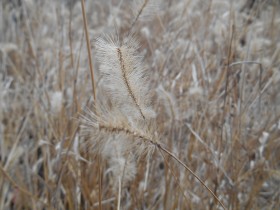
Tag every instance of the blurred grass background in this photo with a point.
(215, 75)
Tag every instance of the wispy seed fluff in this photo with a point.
(110, 126)
(125, 76)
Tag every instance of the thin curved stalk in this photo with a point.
(187, 168)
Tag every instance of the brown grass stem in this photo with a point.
(24, 191)
(140, 11)
(119, 193)
(173, 174)
(188, 169)
(99, 183)
(89, 50)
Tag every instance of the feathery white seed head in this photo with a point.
(125, 77)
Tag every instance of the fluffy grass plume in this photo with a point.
(201, 81)
(125, 76)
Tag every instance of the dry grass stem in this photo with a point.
(180, 109)
(89, 50)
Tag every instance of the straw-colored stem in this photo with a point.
(88, 49)
(187, 168)
(119, 193)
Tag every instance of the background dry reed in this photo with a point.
(214, 109)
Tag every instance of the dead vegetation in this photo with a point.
(201, 83)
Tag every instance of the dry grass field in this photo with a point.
(180, 108)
